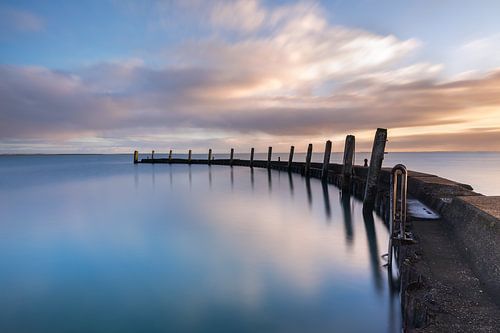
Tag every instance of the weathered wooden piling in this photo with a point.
(376, 160)
(231, 157)
(251, 157)
(269, 155)
(136, 157)
(326, 160)
(152, 154)
(290, 158)
(308, 160)
(189, 156)
(170, 155)
(209, 156)
(349, 149)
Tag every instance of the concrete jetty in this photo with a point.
(450, 275)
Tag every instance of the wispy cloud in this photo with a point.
(20, 20)
(289, 76)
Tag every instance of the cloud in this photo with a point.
(244, 15)
(20, 20)
(290, 76)
(482, 139)
(477, 55)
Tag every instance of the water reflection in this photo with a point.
(210, 177)
(290, 181)
(269, 181)
(153, 176)
(373, 249)
(170, 175)
(232, 177)
(194, 257)
(345, 199)
(308, 190)
(136, 176)
(326, 199)
(252, 179)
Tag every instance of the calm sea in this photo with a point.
(97, 244)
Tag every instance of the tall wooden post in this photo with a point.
(231, 157)
(290, 158)
(269, 155)
(251, 157)
(152, 154)
(209, 156)
(136, 157)
(308, 160)
(376, 160)
(189, 156)
(326, 160)
(170, 155)
(348, 161)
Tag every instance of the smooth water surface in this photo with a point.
(97, 244)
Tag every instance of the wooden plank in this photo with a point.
(326, 160)
(376, 160)
(290, 158)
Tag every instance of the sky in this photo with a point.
(113, 76)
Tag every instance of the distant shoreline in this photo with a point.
(285, 152)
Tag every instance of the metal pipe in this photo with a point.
(398, 194)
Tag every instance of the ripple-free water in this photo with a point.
(97, 244)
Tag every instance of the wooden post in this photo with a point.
(376, 160)
(189, 156)
(170, 155)
(326, 160)
(308, 160)
(348, 161)
(269, 155)
(251, 157)
(136, 157)
(209, 156)
(290, 158)
(231, 157)
(152, 154)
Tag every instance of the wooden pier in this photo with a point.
(342, 175)
(458, 250)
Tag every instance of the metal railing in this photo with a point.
(397, 220)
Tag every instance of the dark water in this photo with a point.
(97, 244)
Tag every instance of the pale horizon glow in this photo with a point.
(115, 76)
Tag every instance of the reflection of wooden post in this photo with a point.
(348, 161)
(308, 160)
(269, 155)
(170, 155)
(136, 157)
(189, 156)
(326, 160)
(209, 156)
(152, 154)
(376, 160)
(290, 158)
(231, 156)
(251, 157)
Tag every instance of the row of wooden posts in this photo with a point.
(375, 166)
